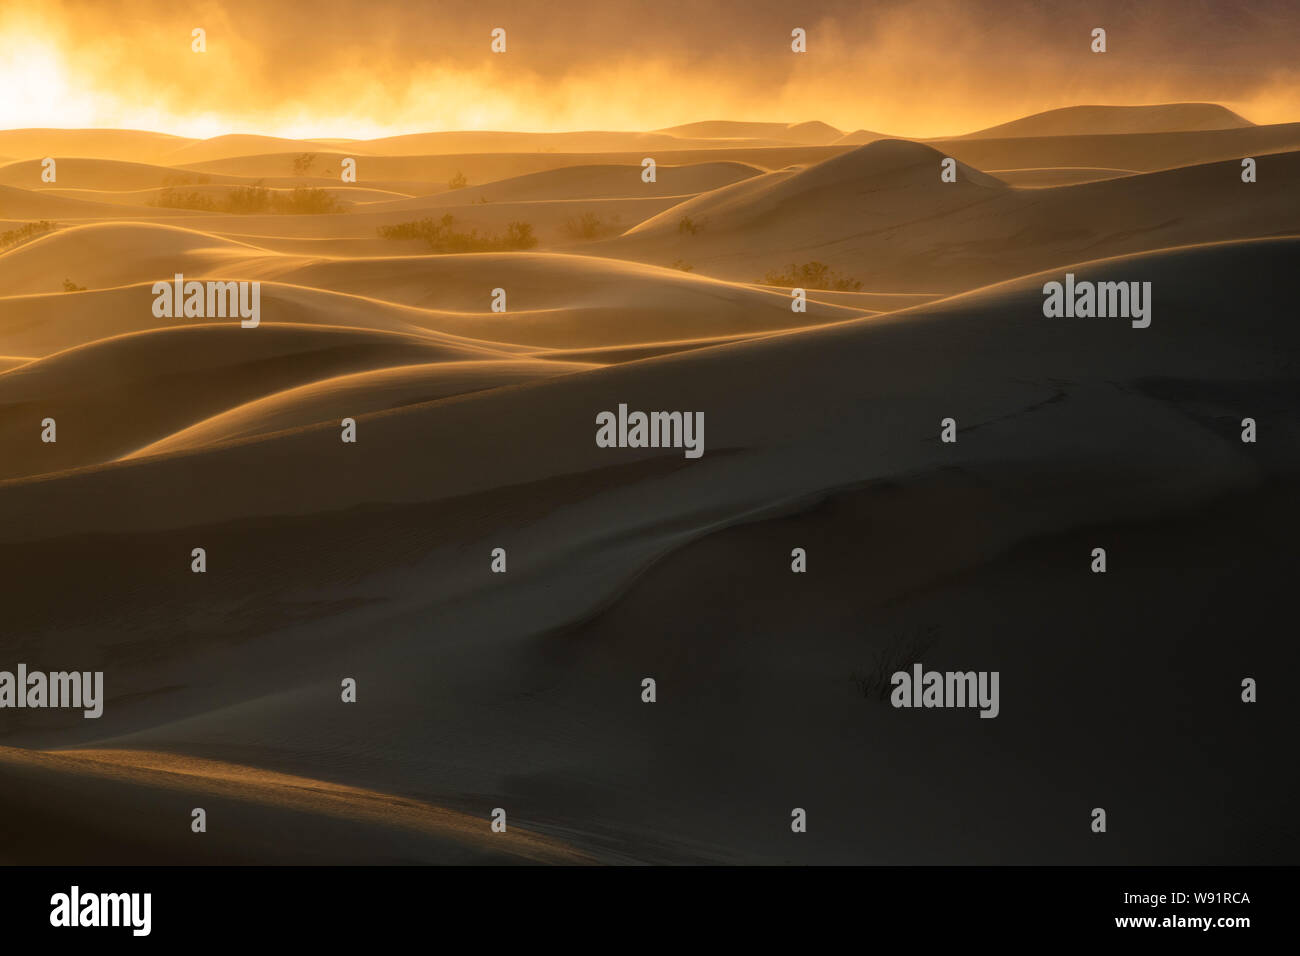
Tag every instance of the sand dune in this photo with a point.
(29, 204)
(102, 174)
(1140, 151)
(39, 325)
(813, 133)
(113, 396)
(1058, 175)
(859, 137)
(1012, 310)
(436, 170)
(606, 182)
(562, 301)
(881, 216)
(475, 432)
(1047, 409)
(129, 145)
(102, 255)
(358, 393)
(1108, 120)
(133, 789)
(360, 224)
(553, 300)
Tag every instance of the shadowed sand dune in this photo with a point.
(881, 215)
(131, 788)
(358, 393)
(514, 690)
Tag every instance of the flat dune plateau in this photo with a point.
(393, 472)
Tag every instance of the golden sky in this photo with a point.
(366, 68)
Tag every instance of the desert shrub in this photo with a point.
(680, 264)
(172, 198)
(70, 286)
(897, 654)
(590, 226)
(299, 201)
(812, 275)
(458, 181)
(688, 226)
(305, 201)
(442, 235)
(247, 199)
(25, 233)
(302, 163)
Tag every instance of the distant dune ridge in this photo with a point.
(1094, 120)
(472, 381)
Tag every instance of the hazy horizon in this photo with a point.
(910, 68)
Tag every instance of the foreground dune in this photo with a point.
(521, 689)
(139, 788)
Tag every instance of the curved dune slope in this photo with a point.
(103, 255)
(76, 172)
(554, 301)
(113, 396)
(19, 203)
(356, 394)
(866, 176)
(564, 301)
(37, 325)
(890, 222)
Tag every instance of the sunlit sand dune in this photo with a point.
(880, 216)
(1109, 120)
(42, 324)
(608, 182)
(111, 175)
(1140, 151)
